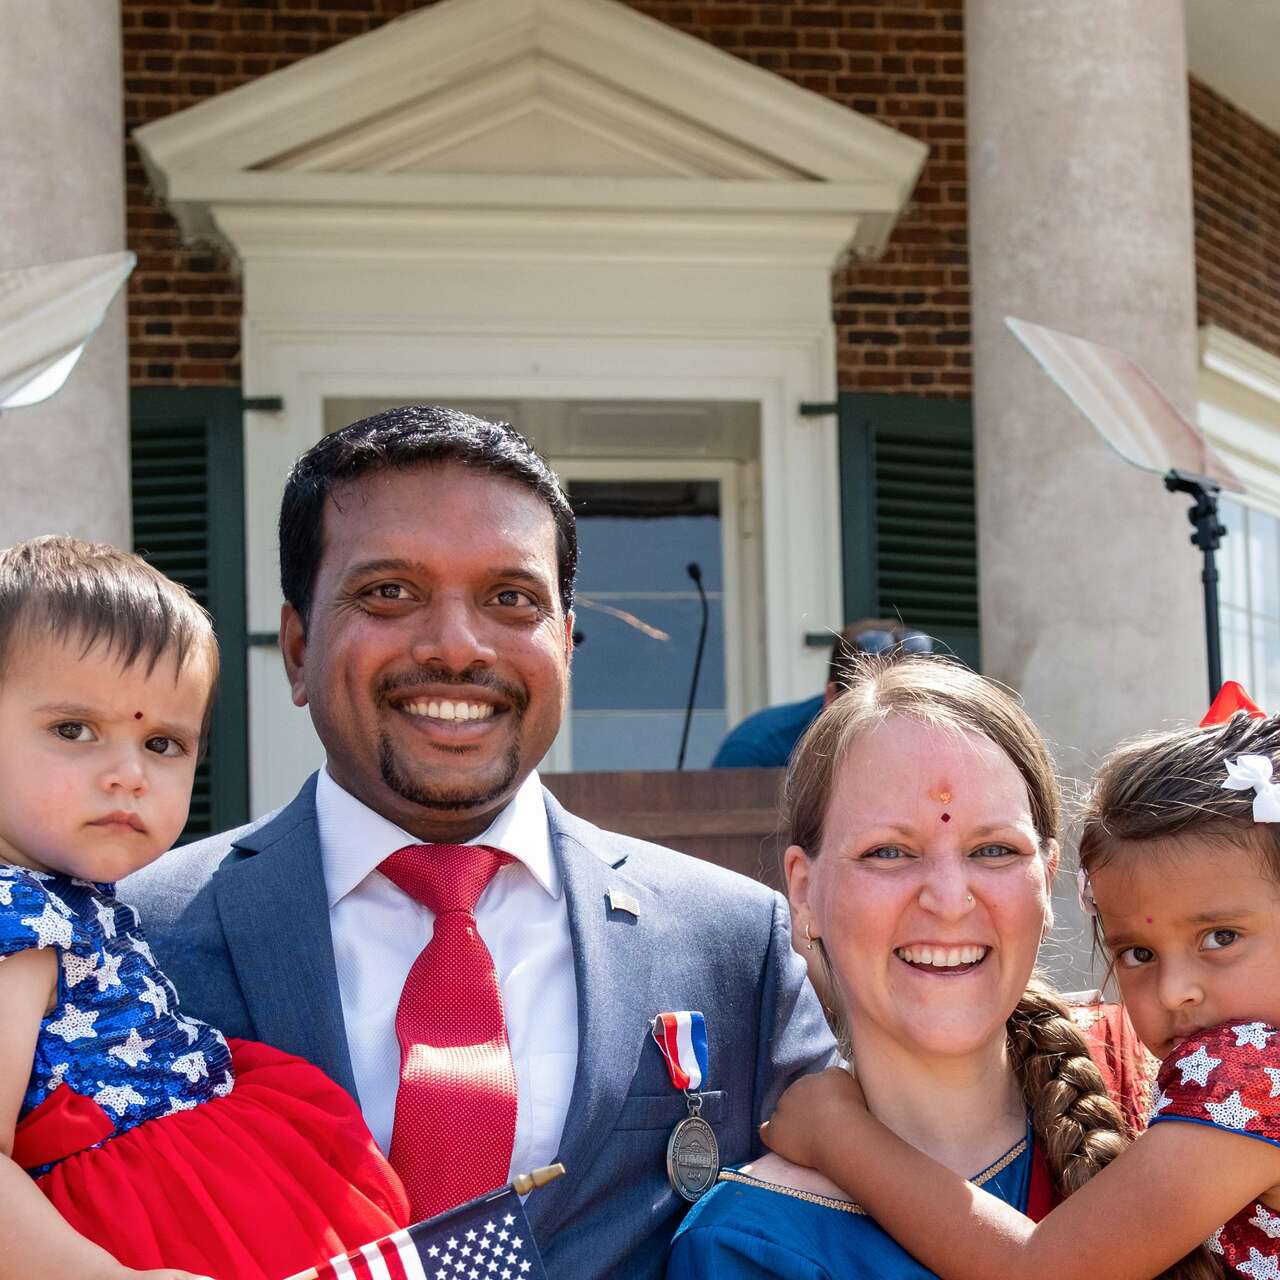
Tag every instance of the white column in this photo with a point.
(1080, 218)
(66, 461)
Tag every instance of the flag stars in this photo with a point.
(1268, 1223)
(75, 1024)
(1254, 1034)
(155, 996)
(509, 1220)
(472, 1234)
(77, 968)
(118, 1098)
(106, 918)
(1261, 1266)
(192, 1065)
(1231, 1114)
(52, 928)
(133, 1050)
(1198, 1066)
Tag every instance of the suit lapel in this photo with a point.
(274, 910)
(611, 962)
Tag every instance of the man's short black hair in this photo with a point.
(398, 440)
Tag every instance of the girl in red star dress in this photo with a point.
(1180, 868)
(135, 1141)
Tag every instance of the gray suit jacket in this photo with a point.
(240, 923)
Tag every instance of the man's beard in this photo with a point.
(443, 796)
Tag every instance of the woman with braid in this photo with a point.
(923, 817)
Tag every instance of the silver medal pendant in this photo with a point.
(693, 1154)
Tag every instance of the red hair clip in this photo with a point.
(1231, 698)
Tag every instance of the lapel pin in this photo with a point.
(619, 900)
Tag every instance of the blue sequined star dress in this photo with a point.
(158, 1139)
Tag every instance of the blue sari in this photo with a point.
(745, 1229)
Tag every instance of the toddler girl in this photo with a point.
(134, 1139)
(1180, 865)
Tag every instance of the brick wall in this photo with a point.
(903, 320)
(1235, 165)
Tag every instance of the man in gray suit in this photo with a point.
(427, 564)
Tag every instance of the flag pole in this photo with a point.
(522, 1184)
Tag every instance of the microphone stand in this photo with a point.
(1208, 538)
(694, 570)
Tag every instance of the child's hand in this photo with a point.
(812, 1111)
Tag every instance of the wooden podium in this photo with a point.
(727, 816)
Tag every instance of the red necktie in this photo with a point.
(455, 1121)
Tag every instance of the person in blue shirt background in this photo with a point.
(766, 739)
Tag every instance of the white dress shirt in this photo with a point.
(379, 931)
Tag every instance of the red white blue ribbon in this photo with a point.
(682, 1038)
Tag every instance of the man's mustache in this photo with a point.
(475, 677)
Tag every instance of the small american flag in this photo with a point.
(485, 1239)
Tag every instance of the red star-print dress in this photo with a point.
(1229, 1077)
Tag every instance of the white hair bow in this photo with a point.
(1253, 773)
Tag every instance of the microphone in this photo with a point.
(694, 570)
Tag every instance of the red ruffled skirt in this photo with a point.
(275, 1178)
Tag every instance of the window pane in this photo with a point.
(1233, 558)
(638, 619)
(1266, 662)
(1237, 647)
(1264, 563)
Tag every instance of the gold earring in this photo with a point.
(809, 939)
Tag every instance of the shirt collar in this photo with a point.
(354, 839)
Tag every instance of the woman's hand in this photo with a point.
(812, 1112)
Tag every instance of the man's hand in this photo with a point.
(812, 1112)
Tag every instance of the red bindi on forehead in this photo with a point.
(137, 715)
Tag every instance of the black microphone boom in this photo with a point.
(694, 570)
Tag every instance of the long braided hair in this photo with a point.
(1078, 1127)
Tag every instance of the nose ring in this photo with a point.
(969, 898)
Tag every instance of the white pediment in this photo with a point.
(498, 104)
(533, 115)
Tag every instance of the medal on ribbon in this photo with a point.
(693, 1155)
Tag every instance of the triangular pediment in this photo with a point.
(575, 91)
(531, 115)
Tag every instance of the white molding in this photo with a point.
(1241, 361)
(1239, 412)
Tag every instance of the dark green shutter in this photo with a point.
(910, 527)
(187, 474)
